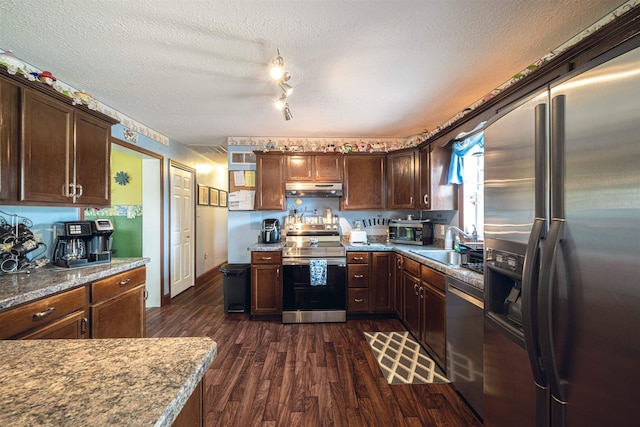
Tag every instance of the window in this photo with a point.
(473, 192)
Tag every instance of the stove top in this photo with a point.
(313, 241)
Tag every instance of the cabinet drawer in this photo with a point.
(358, 300)
(357, 257)
(41, 312)
(266, 257)
(106, 288)
(434, 278)
(411, 266)
(358, 275)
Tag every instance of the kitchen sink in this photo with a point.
(443, 256)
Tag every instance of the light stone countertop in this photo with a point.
(460, 273)
(103, 382)
(16, 289)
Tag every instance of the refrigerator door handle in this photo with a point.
(529, 309)
(550, 253)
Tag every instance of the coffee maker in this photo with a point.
(100, 244)
(270, 232)
(72, 243)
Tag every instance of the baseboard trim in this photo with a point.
(209, 275)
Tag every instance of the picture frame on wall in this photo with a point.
(223, 199)
(203, 195)
(214, 196)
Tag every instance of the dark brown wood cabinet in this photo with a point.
(266, 283)
(433, 191)
(402, 168)
(118, 305)
(191, 414)
(381, 284)
(61, 315)
(397, 284)
(64, 154)
(364, 181)
(358, 281)
(269, 181)
(434, 320)
(313, 167)
(412, 297)
(9, 134)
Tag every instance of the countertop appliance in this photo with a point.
(270, 232)
(101, 240)
(304, 302)
(562, 302)
(73, 245)
(411, 231)
(357, 237)
(465, 311)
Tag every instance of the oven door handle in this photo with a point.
(341, 262)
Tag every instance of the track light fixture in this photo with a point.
(281, 76)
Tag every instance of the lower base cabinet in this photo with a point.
(72, 326)
(266, 283)
(118, 305)
(191, 414)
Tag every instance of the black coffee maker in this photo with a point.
(72, 243)
(270, 232)
(100, 244)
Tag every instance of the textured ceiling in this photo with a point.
(197, 71)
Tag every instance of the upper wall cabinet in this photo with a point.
(58, 154)
(9, 133)
(434, 193)
(364, 181)
(269, 181)
(401, 179)
(311, 167)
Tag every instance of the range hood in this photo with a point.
(313, 189)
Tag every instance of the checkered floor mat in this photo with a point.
(402, 360)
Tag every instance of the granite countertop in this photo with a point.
(123, 382)
(41, 282)
(460, 273)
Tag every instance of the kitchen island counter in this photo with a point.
(123, 382)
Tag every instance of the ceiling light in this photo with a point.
(287, 112)
(277, 69)
(286, 89)
(281, 102)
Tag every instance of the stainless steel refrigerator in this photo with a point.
(562, 267)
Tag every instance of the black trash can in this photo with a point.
(237, 287)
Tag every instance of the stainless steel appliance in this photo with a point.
(100, 243)
(465, 311)
(302, 301)
(562, 209)
(270, 232)
(411, 232)
(313, 189)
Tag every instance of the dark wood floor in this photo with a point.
(270, 374)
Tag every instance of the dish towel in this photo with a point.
(318, 271)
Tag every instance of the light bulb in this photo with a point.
(277, 72)
(281, 102)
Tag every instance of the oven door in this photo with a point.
(303, 303)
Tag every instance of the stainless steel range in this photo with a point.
(309, 247)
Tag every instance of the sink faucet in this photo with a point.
(448, 238)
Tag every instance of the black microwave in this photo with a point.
(411, 232)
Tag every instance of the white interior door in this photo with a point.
(182, 223)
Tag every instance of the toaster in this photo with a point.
(357, 236)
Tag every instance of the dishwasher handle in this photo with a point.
(457, 292)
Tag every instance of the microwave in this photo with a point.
(411, 232)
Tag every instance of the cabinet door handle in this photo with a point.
(124, 282)
(79, 187)
(277, 272)
(69, 190)
(426, 199)
(358, 299)
(358, 276)
(84, 325)
(415, 288)
(146, 294)
(421, 292)
(45, 313)
(411, 200)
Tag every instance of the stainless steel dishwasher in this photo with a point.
(465, 311)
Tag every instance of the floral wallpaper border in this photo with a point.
(129, 211)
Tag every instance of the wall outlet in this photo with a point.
(206, 255)
(441, 230)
